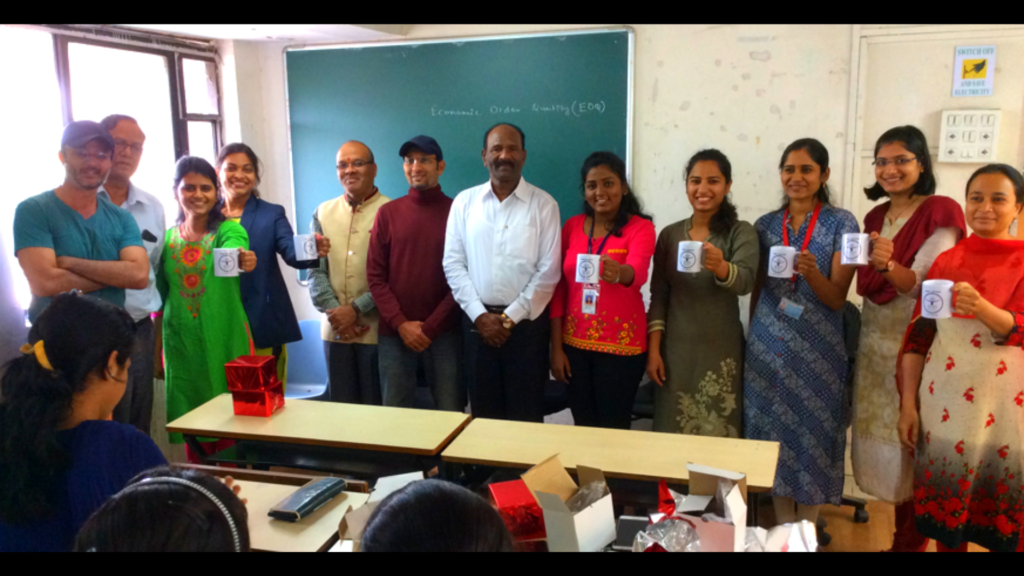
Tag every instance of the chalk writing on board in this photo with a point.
(435, 111)
(577, 109)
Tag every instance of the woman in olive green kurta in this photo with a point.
(695, 316)
(204, 323)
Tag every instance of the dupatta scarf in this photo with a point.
(935, 212)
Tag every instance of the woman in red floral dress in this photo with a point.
(962, 381)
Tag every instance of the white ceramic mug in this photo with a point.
(690, 258)
(305, 247)
(225, 262)
(856, 249)
(782, 262)
(937, 299)
(588, 268)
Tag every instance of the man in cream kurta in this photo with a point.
(339, 288)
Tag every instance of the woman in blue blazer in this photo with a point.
(264, 294)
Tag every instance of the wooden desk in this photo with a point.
(330, 424)
(630, 454)
(315, 533)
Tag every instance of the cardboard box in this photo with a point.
(588, 530)
(350, 529)
(716, 536)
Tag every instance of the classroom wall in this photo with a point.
(923, 66)
(746, 89)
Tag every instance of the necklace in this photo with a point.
(905, 208)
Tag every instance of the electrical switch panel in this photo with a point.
(969, 136)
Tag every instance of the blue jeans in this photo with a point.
(442, 365)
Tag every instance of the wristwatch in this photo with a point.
(507, 322)
(888, 267)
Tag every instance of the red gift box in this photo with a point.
(519, 509)
(255, 389)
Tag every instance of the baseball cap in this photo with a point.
(425, 143)
(81, 132)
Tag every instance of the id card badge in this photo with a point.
(791, 309)
(591, 292)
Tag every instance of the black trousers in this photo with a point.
(507, 383)
(603, 387)
(352, 373)
(136, 406)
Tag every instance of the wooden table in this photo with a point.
(629, 454)
(315, 533)
(336, 426)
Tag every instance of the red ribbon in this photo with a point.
(807, 237)
(667, 505)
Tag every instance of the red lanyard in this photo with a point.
(807, 237)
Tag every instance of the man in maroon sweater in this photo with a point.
(419, 316)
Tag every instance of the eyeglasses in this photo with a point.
(883, 162)
(355, 164)
(409, 161)
(81, 153)
(121, 145)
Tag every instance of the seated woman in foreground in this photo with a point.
(61, 456)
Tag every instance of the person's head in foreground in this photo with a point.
(168, 510)
(435, 516)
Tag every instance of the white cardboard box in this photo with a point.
(716, 536)
(590, 529)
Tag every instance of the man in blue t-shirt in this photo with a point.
(68, 238)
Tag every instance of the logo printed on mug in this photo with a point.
(310, 247)
(852, 249)
(932, 303)
(226, 263)
(779, 262)
(687, 259)
(586, 268)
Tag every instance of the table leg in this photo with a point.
(755, 505)
(450, 471)
(197, 448)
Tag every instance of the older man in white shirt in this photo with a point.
(502, 258)
(136, 406)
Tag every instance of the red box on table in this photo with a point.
(255, 389)
(519, 509)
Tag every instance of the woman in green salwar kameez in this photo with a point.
(204, 324)
(695, 338)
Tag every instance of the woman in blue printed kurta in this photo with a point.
(796, 367)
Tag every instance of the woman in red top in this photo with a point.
(961, 380)
(602, 325)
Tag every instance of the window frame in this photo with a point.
(176, 80)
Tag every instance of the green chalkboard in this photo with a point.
(569, 94)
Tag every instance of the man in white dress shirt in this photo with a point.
(136, 406)
(502, 258)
